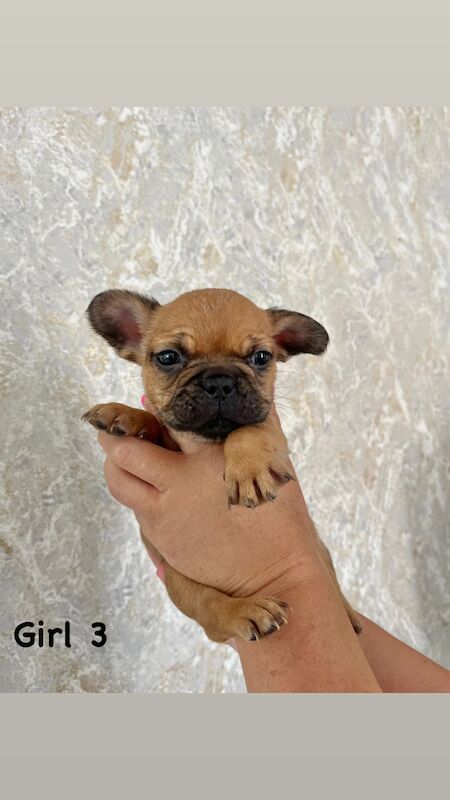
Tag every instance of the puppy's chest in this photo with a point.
(188, 442)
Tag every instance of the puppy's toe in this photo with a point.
(101, 416)
(241, 490)
(280, 473)
(232, 488)
(266, 487)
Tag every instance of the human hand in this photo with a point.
(180, 503)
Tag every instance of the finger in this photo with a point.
(127, 489)
(147, 461)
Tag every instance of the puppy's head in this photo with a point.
(208, 358)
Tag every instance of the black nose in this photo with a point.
(218, 386)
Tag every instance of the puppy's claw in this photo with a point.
(117, 431)
(250, 502)
(273, 628)
(256, 633)
(233, 494)
(102, 426)
(280, 476)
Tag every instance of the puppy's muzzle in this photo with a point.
(215, 401)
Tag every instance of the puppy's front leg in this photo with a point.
(256, 463)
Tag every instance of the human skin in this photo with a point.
(181, 507)
(318, 650)
(398, 667)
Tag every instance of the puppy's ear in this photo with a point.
(296, 333)
(122, 317)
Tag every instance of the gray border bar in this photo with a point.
(239, 52)
(278, 746)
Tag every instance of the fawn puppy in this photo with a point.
(208, 362)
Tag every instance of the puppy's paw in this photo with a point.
(121, 420)
(252, 483)
(251, 618)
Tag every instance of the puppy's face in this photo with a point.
(208, 358)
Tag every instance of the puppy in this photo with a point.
(208, 363)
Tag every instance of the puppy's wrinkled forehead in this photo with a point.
(210, 323)
(205, 323)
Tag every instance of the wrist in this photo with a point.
(282, 575)
(317, 651)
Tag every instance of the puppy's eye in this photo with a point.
(168, 357)
(260, 359)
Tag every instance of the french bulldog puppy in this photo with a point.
(208, 362)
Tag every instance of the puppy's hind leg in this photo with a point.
(221, 616)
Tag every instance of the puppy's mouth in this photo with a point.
(217, 428)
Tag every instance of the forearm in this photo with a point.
(317, 651)
(398, 667)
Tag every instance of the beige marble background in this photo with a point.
(339, 213)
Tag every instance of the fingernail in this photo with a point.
(161, 572)
(143, 399)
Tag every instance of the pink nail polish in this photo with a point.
(143, 399)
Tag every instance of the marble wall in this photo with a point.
(340, 213)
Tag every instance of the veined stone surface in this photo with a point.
(340, 213)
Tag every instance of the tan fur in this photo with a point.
(219, 327)
(214, 325)
(121, 420)
(256, 463)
